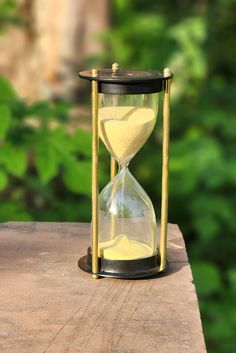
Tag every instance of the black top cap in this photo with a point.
(127, 81)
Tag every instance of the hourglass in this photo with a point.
(124, 228)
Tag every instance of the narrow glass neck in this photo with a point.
(122, 166)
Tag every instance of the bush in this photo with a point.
(45, 172)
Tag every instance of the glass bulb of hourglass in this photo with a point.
(127, 223)
(125, 129)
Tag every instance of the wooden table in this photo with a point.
(47, 304)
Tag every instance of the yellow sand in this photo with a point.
(125, 129)
(121, 248)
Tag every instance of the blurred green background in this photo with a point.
(45, 166)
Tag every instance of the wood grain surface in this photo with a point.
(48, 305)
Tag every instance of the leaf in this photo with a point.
(12, 210)
(207, 221)
(61, 110)
(232, 278)
(77, 176)
(6, 90)
(82, 142)
(47, 161)
(207, 278)
(46, 110)
(7, 5)
(5, 120)
(3, 180)
(14, 159)
(41, 109)
(60, 141)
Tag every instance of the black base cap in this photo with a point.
(127, 269)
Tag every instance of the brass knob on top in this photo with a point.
(115, 67)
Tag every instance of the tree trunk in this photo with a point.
(43, 58)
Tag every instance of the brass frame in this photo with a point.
(95, 187)
(165, 170)
(113, 168)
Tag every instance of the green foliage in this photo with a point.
(6, 90)
(8, 14)
(5, 120)
(77, 176)
(3, 180)
(45, 173)
(206, 277)
(13, 159)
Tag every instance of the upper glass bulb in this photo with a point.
(126, 122)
